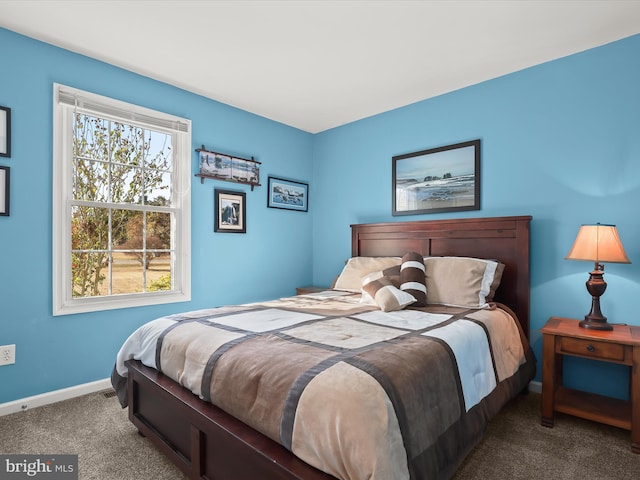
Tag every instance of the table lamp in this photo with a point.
(597, 243)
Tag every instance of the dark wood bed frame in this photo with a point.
(206, 443)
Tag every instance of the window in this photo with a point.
(121, 204)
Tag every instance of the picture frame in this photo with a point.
(229, 168)
(441, 179)
(230, 211)
(287, 194)
(5, 132)
(4, 191)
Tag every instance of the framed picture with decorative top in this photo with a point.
(230, 211)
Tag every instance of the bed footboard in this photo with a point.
(202, 440)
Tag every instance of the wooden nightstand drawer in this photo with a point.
(592, 349)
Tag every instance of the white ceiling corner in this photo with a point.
(316, 65)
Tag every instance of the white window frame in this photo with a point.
(67, 101)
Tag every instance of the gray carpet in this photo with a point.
(96, 429)
(515, 446)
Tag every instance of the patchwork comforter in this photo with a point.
(354, 391)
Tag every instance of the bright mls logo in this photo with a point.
(51, 467)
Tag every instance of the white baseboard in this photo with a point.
(48, 398)
(535, 387)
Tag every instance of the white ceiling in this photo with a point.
(316, 65)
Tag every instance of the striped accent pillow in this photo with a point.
(386, 296)
(412, 278)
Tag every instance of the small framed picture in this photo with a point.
(288, 194)
(4, 191)
(442, 179)
(230, 211)
(5, 132)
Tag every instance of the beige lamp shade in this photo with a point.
(598, 243)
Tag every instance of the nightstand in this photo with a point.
(308, 290)
(563, 336)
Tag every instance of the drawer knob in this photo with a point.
(591, 348)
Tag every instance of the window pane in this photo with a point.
(157, 164)
(126, 184)
(91, 180)
(89, 271)
(162, 282)
(158, 150)
(158, 231)
(89, 228)
(158, 188)
(126, 144)
(91, 136)
(127, 229)
(127, 274)
(159, 273)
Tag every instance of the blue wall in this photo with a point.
(559, 142)
(269, 261)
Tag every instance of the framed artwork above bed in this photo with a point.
(441, 179)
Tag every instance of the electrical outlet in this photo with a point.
(7, 354)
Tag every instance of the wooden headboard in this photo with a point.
(499, 238)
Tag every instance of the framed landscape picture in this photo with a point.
(442, 179)
(288, 194)
(230, 211)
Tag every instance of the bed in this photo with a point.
(306, 408)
